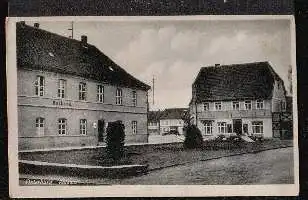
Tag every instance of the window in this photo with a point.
(134, 96)
(259, 104)
(247, 105)
(257, 127)
(100, 93)
(62, 126)
(40, 124)
(218, 106)
(83, 127)
(222, 127)
(206, 106)
(236, 105)
(208, 126)
(82, 91)
(245, 128)
(134, 127)
(39, 86)
(119, 96)
(283, 106)
(61, 88)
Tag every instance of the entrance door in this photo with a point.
(101, 130)
(237, 126)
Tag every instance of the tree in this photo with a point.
(115, 140)
(193, 137)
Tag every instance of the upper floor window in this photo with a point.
(259, 104)
(134, 127)
(82, 91)
(206, 106)
(222, 127)
(119, 96)
(248, 105)
(40, 125)
(257, 127)
(61, 88)
(100, 93)
(62, 125)
(134, 96)
(39, 85)
(236, 105)
(218, 106)
(283, 106)
(83, 127)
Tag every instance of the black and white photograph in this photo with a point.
(157, 104)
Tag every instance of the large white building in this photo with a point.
(68, 91)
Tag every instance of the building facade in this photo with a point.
(172, 121)
(68, 91)
(238, 98)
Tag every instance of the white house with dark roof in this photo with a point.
(239, 98)
(68, 91)
(172, 120)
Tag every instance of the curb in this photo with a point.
(36, 167)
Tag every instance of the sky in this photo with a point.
(174, 51)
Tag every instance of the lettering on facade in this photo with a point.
(61, 103)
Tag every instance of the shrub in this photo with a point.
(193, 137)
(115, 140)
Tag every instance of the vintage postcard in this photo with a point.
(152, 106)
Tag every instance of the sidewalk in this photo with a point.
(153, 139)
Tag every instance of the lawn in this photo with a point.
(156, 156)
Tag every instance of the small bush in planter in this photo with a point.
(115, 140)
(193, 137)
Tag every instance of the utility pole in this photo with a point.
(72, 30)
(153, 81)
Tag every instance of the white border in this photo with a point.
(135, 190)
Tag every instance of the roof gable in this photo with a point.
(235, 82)
(42, 50)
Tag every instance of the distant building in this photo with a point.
(172, 120)
(154, 122)
(239, 98)
(68, 91)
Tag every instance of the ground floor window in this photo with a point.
(83, 127)
(208, 127)
(222, 127)
(257, 127)
(40, 124)
(62, 125)
(134, 127)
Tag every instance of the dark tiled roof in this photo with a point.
(174, 113)
(235, 82)
(42, 50)
(154, 116)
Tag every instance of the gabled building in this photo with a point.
(172, 120)
(239, 98)
(68, 91)
(154, 122)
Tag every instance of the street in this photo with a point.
(267, 167)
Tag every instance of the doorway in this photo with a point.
(101, 130)
(237, 126)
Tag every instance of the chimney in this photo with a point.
(84, 39)
(36, 25)
(217, 65)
